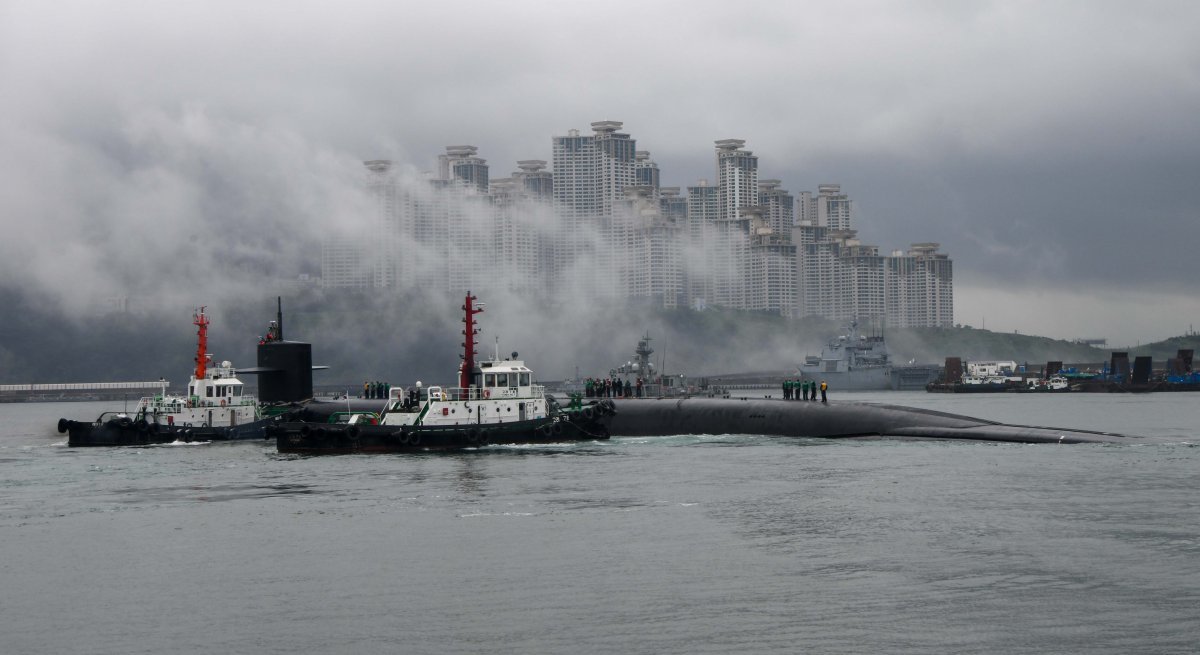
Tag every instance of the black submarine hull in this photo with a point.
(834, 420)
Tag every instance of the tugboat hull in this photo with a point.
(587, 424)
(123, 431)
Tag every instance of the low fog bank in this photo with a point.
(401, 338)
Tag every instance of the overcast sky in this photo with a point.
(1052, 148)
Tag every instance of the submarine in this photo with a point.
(644, 417)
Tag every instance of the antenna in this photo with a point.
(279, 317)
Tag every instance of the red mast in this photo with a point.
(201, 321)
(469, 330)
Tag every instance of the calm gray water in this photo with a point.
(731, 544)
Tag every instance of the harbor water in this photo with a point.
(693, 544)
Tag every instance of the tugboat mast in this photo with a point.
(201, 322)
(469, 330)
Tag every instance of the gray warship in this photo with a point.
(857, 362)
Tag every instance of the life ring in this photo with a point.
(222, 402)
(487, 393)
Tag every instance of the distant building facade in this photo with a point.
(597, 220)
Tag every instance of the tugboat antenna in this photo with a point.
(279, 318)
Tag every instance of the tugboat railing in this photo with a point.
(177, 405)
(458, 394)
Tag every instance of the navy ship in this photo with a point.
(856, 362)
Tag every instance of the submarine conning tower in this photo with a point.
(286, 371)
(284, 367)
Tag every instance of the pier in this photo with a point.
(65, 391)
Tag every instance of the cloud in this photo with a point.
(1041, 144)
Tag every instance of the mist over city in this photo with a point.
(160, 157)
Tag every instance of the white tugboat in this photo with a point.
(214, 408)
(497, 401)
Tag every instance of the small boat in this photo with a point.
(213, 409)
(496, 402)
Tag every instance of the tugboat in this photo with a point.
(495, 402)
(214, 408)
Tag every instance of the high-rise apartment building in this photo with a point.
(461, 164)
(645, 170)
(832, 207)
(770, 279)
(779, 207)
(703, 212)
(647, 249)
(919, 287)
(737, 177)
(348, 260)
(601, 224)
(590, 176)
